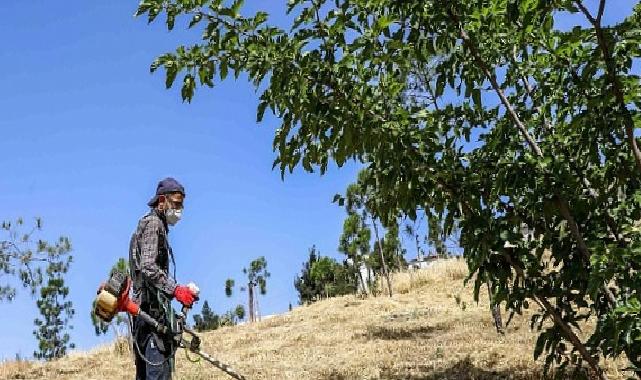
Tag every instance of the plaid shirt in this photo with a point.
(149, 254)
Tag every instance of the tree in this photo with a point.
(354, 243)
(360, 199)
(304, 284)
(481, 111)
(207, 319)
(239, 312)
(332, 278)
(324, 277)
(229, 286)
(24, 257)
(411, 230)
(393, 251)
(257, 276)
(101, 327)
(55, 310)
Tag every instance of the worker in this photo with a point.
(153, 286)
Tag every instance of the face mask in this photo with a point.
(173, 215)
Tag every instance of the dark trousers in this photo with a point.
(156, 363)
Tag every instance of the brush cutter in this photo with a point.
(113, 297)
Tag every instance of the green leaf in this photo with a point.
(235, 8)
(223, 69)
(261, 111)
(172, 71)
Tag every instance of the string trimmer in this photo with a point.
(113, 298)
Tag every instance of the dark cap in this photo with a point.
(166, 186)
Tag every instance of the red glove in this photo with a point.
(184, 295)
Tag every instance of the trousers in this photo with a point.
(156, 363)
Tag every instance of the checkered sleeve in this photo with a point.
(149, 248)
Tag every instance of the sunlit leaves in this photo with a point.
(393, 85)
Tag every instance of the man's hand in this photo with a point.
(185, 295)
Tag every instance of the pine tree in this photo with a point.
(304, 284)
(55, 309)
(207, 319)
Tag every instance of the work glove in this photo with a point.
(186, 294)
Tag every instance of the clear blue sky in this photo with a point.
(87, 132)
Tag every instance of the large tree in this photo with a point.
(484, 112)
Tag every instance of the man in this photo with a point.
(153, 286)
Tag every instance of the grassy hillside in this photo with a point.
(431, 329)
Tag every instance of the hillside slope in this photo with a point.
(430, 329)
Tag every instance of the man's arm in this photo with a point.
(151, 272)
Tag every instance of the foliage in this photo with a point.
(354, 241)
(306, 288)
(257, 274)
(23, 257)
(393, 252)
(239, 312)
(207, 319)
(361, 205)
(481, 111)
(229, 285)
(323, 277)
(100, 327)
(55, 309)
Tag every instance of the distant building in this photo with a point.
(422, 262)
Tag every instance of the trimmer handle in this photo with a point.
(151, 321)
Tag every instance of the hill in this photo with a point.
(430, 329)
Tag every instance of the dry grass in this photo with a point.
(430, 329)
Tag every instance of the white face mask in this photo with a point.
(173, 215)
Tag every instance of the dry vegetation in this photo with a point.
(430, 329)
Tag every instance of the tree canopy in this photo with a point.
(483, 112)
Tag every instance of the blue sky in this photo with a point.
(87, 132)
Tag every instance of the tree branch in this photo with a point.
(614, 80)
(571, 336)
(560, 201)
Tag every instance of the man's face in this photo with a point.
(171, 201)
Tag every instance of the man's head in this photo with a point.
(169, 198)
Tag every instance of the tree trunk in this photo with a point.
(398, 260)
(250, 303)
(257, 309)
(496, 310)
(380, 248)
(364, 286)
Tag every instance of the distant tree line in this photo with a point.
(208, 320)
